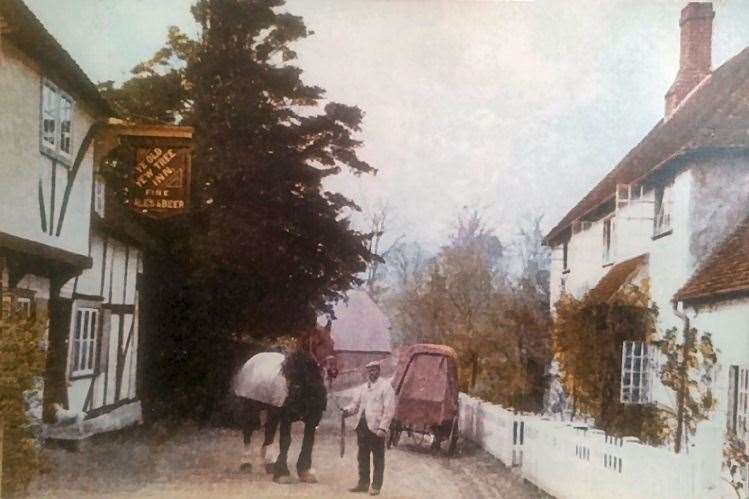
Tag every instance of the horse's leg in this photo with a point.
(281, 469)
(304, 464)
(250, 423)
(271, 424)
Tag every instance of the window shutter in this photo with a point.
(733, 386)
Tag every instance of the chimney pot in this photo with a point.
(696, 24)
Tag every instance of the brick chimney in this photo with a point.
(696, 24)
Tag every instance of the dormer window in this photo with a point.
(56, 127)
(608, 240)
(663, 207)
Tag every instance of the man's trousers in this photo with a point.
(370, 443)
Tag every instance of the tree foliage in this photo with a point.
(465, 298)
(266, 246)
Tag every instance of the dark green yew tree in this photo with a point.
(266, 246)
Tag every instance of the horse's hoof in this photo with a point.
(308, 476)
(283, 479)
(245, 467)
(265, 457)
(269, 467)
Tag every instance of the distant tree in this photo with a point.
(464, 297)
(376, 278)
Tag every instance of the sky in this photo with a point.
(516, 109)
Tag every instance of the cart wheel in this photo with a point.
(453, 439)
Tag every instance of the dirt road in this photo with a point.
(203, 463)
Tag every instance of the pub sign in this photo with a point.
(160, 182)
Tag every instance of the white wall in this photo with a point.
(24, 169)
(669, 261)
(111, 280)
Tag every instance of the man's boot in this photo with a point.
(360, 487)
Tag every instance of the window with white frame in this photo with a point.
(56, 122)
(638, 370)
(738, 400)
(85, 333)
(663, 205)
(608, 240)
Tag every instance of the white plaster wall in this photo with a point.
(132, 274)
(22, 165)
(555, 275)
(114, 272)
(585, 259)
(114, 338)
(118, 251)
(719, 202)
(89, 282)
(669, 258)
(728, 324)
(77, 391)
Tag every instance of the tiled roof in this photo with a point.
(616, 277)
(360, 325)
(714, 116)
(725, 272)
(25, 30)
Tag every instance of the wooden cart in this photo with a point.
(426, 391)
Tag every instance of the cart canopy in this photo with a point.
(426, 385)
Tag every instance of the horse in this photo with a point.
(288, 388)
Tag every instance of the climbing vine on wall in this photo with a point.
(689, 362)
(588, 334)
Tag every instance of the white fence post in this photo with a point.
(584, 463)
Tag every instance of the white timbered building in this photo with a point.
(71, 255)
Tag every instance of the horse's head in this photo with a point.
(319, 343)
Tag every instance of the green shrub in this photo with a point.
(21, 363)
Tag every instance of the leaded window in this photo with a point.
(56, 127)
(638, 369)
(85, 334)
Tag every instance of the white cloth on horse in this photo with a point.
(261, 379)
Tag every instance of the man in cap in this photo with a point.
(374, 406)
